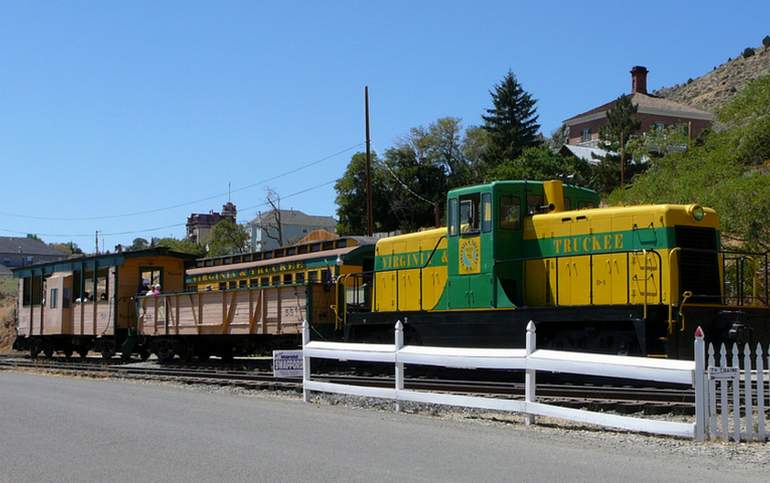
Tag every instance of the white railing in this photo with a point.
(529, 360)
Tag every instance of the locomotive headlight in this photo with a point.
(696, 211)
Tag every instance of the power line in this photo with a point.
(187, 203)
(145, 230)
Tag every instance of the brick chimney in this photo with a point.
(639, 79)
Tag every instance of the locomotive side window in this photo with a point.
(510, 212)
(469, 213)
(454, 226)
(486, 212)
(534, 202)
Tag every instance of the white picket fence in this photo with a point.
(737, 396)
(528, 359)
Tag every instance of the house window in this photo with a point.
(300, 277)
(287, 279)
(264, 281)
(659, 126)
(586, 135)
(242, 283)
(276, 280)
(54, 296)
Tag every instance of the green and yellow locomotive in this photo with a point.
(633, 280)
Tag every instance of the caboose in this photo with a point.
(626, 280)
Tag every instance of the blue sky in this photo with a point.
(113, 108)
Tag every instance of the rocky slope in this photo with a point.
(714, 89)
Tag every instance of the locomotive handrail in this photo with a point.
(591, 284)
(344, 277)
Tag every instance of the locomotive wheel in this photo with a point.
(108, 350)
(202, 354)
(34, 351)
(83, 353)
(48, 351)
(144, 354)
(164, 349)
(185, 352)
(227, 355)
(68, 352)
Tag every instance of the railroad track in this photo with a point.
(612, 397)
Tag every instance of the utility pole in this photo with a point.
(369, 210)
(97, 242)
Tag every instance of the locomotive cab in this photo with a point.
(485, 243)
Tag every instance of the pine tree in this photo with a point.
(621, 124)
(511, 122)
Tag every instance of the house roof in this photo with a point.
(585, 153)
(647, 104)
(27, 246)
(296, 217)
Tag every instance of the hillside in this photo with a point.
(7, 303)
(713, 90)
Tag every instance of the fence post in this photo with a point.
(305, 360)
(399, 343)
(700, 393)
(529, 377)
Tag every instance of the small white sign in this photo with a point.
(722, 373)
(287, 363)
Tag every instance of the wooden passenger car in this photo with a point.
(253, 302)
(88, 303)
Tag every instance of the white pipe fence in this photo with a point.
(703, 378)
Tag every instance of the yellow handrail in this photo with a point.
(670, 292)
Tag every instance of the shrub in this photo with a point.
(748, 52)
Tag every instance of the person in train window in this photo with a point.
(155, 290)
(143, 288)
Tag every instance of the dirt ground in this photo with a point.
(7, 306)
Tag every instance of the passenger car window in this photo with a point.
(510, 213)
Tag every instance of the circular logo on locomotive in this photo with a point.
(469, 255)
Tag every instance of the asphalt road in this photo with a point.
(62, 429)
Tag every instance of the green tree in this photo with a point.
(511, 122)
(34, 237)
(139, 244)
(70, 248)
(540, 163)
(227, 238)
(182, 246)
(621, 124)
(766, 41)
(418, 186)
(351, 198)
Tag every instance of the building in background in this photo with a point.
(295, 225)
(19, 252)
(199, 225)
(652, 112)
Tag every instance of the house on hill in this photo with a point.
(652, 112)
(199, 225)
(19, 252)
(295, 225)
